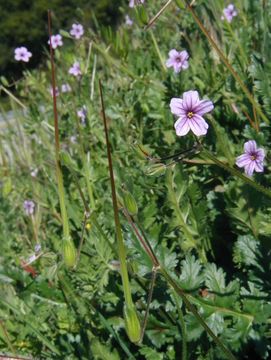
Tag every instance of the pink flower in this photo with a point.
(22, 54)
(252, 159)
(190, 110)
(132, 3)
(229, 13)
(65, 88)
(75, 69)
(56, 41)
(77, 31)
(34, 172)
(128, 20)
(178, 60)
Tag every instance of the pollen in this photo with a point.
(190, 114)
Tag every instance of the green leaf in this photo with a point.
(191, 277)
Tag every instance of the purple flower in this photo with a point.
(29, 207)
(229, 13)
(65, 88)
(178, 60)
(77, 31)
(56, 41)
(82, 114)
(37, 248)
(22, 54)
(75, 69)
(190, 110)
(132, 3)
(252, 159)
(128, 20)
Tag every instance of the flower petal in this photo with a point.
(249, 169)
(243, 160)
(190, 99)
(177, 67)
(250, 147)
(176, 107)
(173, 53)
(260, 154)
(198, 125)
(203, 107)
(184, 55)
(185, 64)
(182, 126)
(170, 62)
(258, 166)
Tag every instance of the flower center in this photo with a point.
(253, 157)
(190, 115)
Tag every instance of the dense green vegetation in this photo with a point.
(194, 225)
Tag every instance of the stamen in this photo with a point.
(190, 114)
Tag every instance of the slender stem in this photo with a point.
(93, 78)
(152, 21)
(226, 62)
(158, 51)
(86, 216)
(59, 176)
(12, 96)
(121, 246)
(145, 244)
(151, 288)
(183, 327)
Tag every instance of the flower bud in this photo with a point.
(130, 203)
(69, 253)
(156, 169)
(132, 324)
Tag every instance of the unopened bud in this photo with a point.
(130, 203)
(69, 253)
(132, 324)
(156, 169)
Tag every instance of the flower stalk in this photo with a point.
(131, 319)
(68, 246)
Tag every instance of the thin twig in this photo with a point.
(160, 12)
(151, 288)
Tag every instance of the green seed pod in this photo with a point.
(69, 253)
(132, 324)
(156, 169)
(130, 203)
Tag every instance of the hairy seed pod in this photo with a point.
(132, 324)
(130, 203)
(69, 253)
